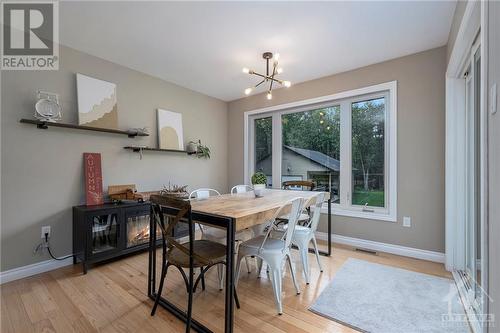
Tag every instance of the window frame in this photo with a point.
(345, 100)
(348, 128)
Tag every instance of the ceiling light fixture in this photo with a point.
(270, 76)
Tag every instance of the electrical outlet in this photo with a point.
(45, 230)
(406, 221)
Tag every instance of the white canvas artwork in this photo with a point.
(97, 104)
(170, 134)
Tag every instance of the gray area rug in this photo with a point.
(377, 298)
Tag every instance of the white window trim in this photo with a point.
(386, 214)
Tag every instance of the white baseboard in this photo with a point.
(384, 247)
(48, 265)
(33, 269)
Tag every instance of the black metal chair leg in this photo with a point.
(202, 279)
(160, 287)
(190, 301)
(236, 300)
(186, 282)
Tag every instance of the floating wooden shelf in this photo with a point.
(137, 149)
(47, 124)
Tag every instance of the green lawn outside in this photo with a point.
(374, 198)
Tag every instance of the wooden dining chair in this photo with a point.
(203, 254)
(216, 234)
(305, 185)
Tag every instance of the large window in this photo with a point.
(264, 147)
(311, 148)
(345, 143)
(368, 158)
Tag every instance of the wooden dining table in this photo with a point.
(233, 212)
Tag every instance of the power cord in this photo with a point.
(61, 258)
(47, 245)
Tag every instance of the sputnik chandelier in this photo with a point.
(270, 76)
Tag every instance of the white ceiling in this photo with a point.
(204, 45)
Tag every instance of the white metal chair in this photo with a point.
(241, 189)
(208, 233)
(248, 233)
(203, 193)
(275, 252)
(216, 234)
(303, 235)
(256, 229)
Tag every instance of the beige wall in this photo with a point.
(42, 169)
(421, 135)
(494, 166)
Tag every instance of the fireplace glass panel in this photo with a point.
(138, 230)
(104, 232)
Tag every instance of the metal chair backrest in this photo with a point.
(303, 184)
(292, 220)
(241, 189)
(295, 209)
(318, 204)
(167, 212)
(203, 193)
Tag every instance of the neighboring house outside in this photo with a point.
(305, 164)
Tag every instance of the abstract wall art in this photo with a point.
(97, 104)
(170, 130)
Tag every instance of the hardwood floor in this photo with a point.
(112, 298)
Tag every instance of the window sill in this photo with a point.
(359, 214)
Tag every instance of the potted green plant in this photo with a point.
(259, 181)
(199, 149)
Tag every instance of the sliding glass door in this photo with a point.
(473, 232)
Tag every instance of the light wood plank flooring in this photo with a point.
(112, 298)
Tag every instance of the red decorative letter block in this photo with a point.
(93, 179)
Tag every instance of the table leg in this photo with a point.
(152, 254)
(329, 252)
(229, 306)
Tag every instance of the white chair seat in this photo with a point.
(244, 235)
(302, 217)
(301, 235)
(271, 245)
(219, 235)
(298, 228)
(211, 233)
